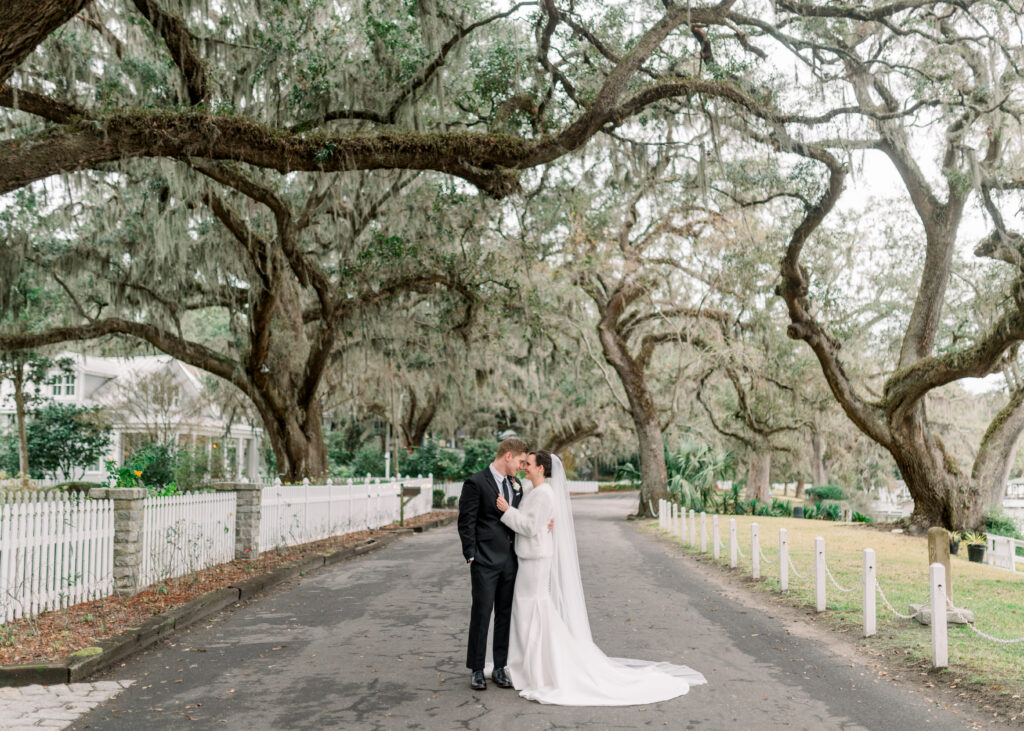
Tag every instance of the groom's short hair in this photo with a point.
(513, 446)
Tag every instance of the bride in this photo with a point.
(552, 656)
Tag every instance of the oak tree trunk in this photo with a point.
(819, 470)
(19, 411)
(653, 472)
(758, 476)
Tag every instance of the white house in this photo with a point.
(153, 398)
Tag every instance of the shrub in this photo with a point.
(999, 523)
(478, 454)
(431, 459)
(438, 499)
(66, 438)
(369, 460)
(451, 502)
(859, 517)
(829, 511)
(825, 492)
(781, 508)
(156, 462)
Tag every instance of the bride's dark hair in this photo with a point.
(543, 460)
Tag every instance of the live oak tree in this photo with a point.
(935, 89)
(624, 233)
(234, 93)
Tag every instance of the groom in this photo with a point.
(489, 548)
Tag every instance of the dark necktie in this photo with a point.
(506, 485)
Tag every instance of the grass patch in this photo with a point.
(996, 596)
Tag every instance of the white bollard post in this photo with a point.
(682, 526)
(661, 513)
(715, 537)
(819, 574)
(869, 592)
(703, 532)
(940, 646)
(671, 517)
(733, 545)
(693, 527)
(677, 529)
(755, 551)
(783, 560)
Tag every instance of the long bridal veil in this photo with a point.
(567, 586)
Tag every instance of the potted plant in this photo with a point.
(954, 542)
(976, 545)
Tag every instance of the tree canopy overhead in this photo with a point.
(339, 86)
(292, 164)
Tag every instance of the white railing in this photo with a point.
(55, 551)
(293, 514)
(1002, 552)
(186, 533)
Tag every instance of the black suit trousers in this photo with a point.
(492, 589)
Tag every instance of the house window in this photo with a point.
(63, 385)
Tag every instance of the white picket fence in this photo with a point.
(186, 533)
(293, 514)
(55, 551)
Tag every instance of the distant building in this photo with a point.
(152, 398)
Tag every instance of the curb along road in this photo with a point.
(86, 662)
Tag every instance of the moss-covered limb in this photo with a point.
(907, 386)
(24, 25)
(181, 45)
(193, 353)
(87, 143)
(40, 105)
(997, 450)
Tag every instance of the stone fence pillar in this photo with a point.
(248, 504)
(129, 503)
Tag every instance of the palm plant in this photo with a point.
(694, 470)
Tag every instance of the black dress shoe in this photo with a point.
(501, 678)
(477, 682)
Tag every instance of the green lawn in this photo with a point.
(996, 596)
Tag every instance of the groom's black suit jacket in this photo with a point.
(485, 539)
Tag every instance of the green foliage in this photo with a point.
(478, 454)
(859, 517)
(368, 460)
(437, 499)
(694, 470)
(430, 459)
(781, 508)
(999, 523)
(66, 438)
(9, 455)
(341, 445)
(627, 471)
(825, 492)
(156, 463)
(160, 468)
(829, 511)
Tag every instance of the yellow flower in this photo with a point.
(138, 473)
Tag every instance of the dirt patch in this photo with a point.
(54, 635)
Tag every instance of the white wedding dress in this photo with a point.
(552, 656)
